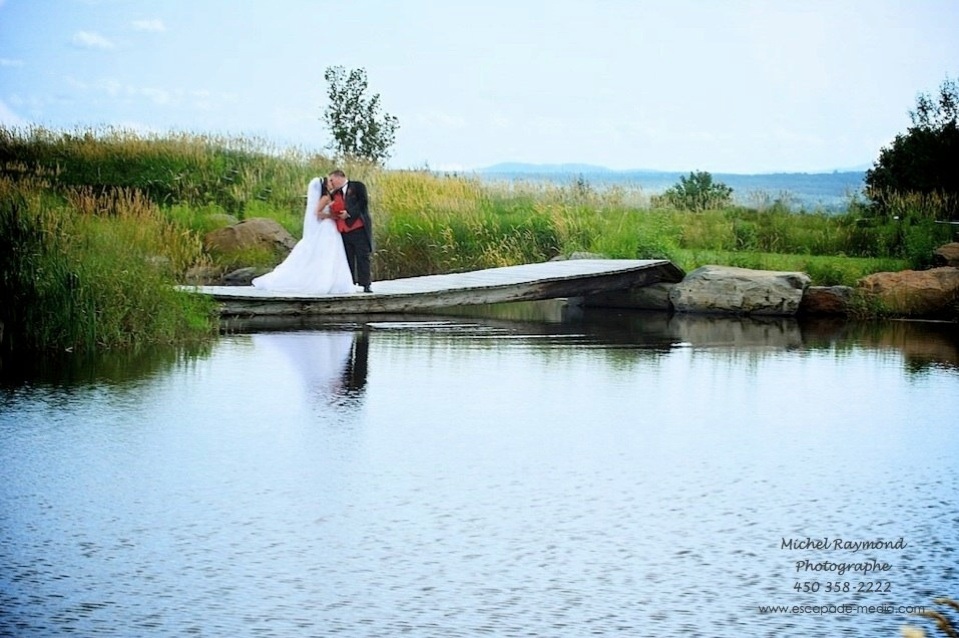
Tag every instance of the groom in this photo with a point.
(355, 226)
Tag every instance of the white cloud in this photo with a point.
(114, 89)
(90, 40)
(7, 116)
(8, 61)
(155, 26)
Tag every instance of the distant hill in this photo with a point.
(830, 191)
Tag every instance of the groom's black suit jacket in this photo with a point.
(358, 206)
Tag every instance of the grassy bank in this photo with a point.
(93, 271)
(97, 226)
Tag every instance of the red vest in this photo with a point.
(338, 206)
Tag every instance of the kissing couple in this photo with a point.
(334, 253)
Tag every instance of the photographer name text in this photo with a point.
(841, 544)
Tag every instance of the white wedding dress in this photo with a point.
(317, 264)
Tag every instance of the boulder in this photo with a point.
(826, 300)
(725, 289)
(251, 233)
(915, 293)
(947, 255)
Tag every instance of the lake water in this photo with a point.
(552, 472)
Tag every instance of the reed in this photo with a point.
(94, 271)
(427, 224)
(184, 168)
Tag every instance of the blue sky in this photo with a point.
(736, 86)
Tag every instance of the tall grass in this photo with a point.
(426, 224)
(199, 170)
(92, 272)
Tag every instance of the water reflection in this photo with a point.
(331, 365)
(921, 343)
(553, 474)
(111, 367)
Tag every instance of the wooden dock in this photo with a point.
(529, 282)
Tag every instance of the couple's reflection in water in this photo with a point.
(353, 377)
(333, 365)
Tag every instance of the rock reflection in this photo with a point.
(920, 343)
(697, 330)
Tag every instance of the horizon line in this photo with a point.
(573, 167)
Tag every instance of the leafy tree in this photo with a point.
(358, 128)
(923, 159)
(698, 192)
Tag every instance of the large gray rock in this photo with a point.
(255, 232)
(729, 290)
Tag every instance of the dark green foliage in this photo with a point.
(906, 230)
(698, 192)
(22, 265)
(359, 130)
(924, 159)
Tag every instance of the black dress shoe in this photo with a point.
(367, 289)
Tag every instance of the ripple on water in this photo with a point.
(469, 489)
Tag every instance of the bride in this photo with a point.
(317, 264)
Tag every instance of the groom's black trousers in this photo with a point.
(357, 247)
